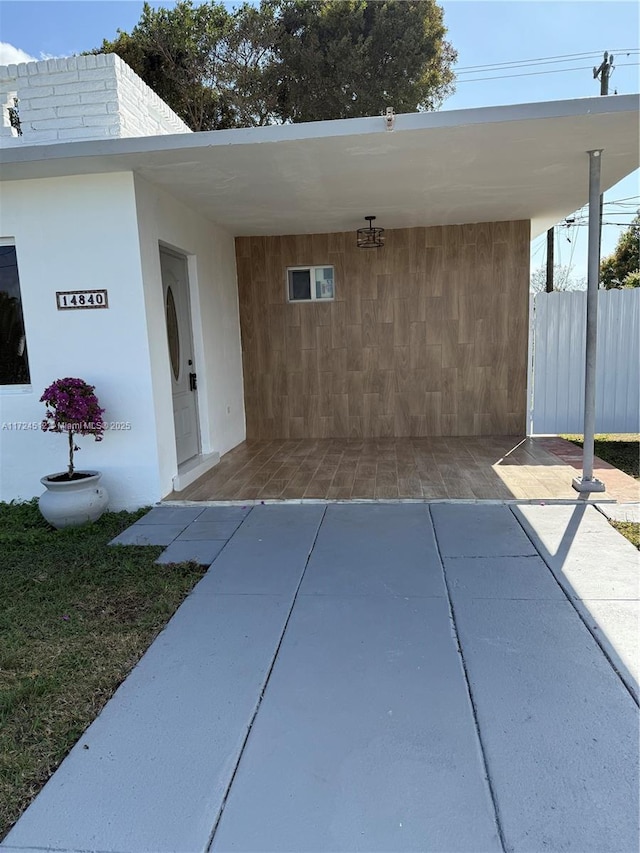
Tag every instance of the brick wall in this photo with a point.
(80, 98)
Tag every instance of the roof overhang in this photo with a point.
(526, 161)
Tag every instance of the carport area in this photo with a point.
(372, 677)
(451, 467)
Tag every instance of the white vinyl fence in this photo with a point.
(556, 377)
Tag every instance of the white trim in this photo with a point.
(193, 468)
(530, 367)
(7, 390)
(183, 256)
(197, 342)
(71, 151)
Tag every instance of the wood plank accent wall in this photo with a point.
(426, 336)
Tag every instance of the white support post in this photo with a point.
(587, 482)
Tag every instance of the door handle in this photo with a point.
(193, 381)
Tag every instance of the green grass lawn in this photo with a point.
(630, 530)
(622, 451)
(76, 616)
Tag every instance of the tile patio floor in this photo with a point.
(493, 467)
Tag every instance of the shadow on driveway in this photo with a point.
(388, 677)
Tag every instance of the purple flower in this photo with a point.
(72, 407)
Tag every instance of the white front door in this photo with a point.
(175, 286)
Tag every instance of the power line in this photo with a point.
(559, 252)
(544, 59)
(535, 251)
(536, 73)
(515, 67)
(573, 240)
(630, 201)
(585, 221)
(583, 214)
(585, 224)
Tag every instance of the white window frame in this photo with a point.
(312, 269)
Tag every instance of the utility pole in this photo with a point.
(604, 70)
(550, 242)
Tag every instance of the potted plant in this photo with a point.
(72, 497)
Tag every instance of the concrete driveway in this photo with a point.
(381, 677)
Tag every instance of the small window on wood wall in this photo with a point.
(310, 284)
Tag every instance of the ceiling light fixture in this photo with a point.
(370, 237)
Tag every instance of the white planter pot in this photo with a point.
(69, 503)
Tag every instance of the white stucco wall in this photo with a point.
(71, 234)
(210, 254)
(81, 97)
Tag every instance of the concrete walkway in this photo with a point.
(378, 677)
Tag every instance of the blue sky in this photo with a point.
(483, 33)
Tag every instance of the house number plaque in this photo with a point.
(70, 299)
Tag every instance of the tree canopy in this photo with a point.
(563, 279)
(622, 267)
(290, 60)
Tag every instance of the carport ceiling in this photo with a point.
(526, 161)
